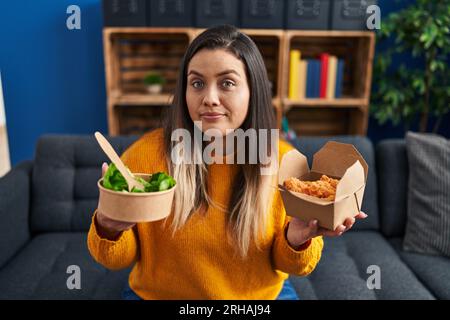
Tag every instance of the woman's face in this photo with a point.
(217, 91)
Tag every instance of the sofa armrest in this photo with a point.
(14, 210)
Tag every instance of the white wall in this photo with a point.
(5, 163)
(2, 105)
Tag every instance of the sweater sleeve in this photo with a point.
(289, 260)
(114, 255)
(123, 251)
(284, 258)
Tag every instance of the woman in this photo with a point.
(228, 236)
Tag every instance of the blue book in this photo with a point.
(313, 79)
(339, 78)
(317, 71)
(317, 67)
(309, 79)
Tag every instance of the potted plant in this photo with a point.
(154, 82)
(420, 90)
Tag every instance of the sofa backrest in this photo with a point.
(67, 167)
(310, 145)
(392, 172)
(64, 181)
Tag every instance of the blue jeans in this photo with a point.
(287, 293)
(128, 294)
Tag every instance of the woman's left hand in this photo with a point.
(300, 232)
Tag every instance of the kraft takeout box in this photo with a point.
(336, 160)
(135, 207)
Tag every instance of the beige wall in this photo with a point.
(4, 152)
(5, 164)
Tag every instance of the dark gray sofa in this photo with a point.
(46, 206)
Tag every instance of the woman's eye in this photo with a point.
(197, 84)
(228, 84)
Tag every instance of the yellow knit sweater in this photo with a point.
(198, 262)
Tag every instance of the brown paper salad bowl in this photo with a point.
(135, 206)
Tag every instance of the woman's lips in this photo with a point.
(211, 116)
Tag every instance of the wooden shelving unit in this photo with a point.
(142, 99)
(348, 114)
(131, 52)
(317, 102)
(270, 43)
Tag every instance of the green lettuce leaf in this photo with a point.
(159, 181)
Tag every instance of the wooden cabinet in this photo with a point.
(133, 51)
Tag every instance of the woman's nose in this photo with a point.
(211, 97)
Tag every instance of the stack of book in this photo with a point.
(315, 78)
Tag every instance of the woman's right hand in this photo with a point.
(109, 228)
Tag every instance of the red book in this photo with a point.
(323, 74)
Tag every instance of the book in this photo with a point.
(324, 57)
(294, 62)
(312, 78)
(331, 79)
(303, 65)
(339, 78)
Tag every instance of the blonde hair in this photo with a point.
(250, 201)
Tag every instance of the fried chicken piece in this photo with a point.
(325, 188)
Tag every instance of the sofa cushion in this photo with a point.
(310, 145)
(428, 223)
(342, 271)
(39, 271)
(432, 271)
(64, 181)
(392, 173)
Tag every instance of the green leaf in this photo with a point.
(419, 84)
(137, 190)
(164, 185)
(114, 180)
